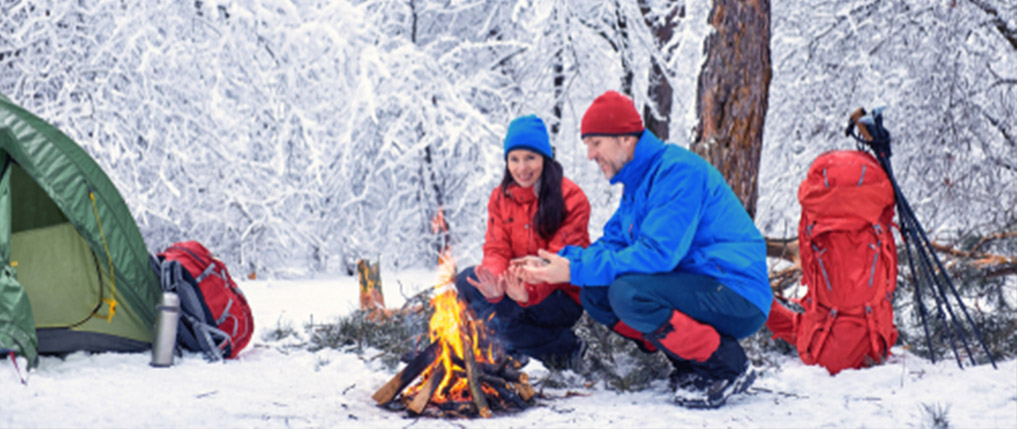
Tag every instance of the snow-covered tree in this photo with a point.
(297, 136)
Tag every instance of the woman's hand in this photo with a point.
(489, 285)
(515, 288)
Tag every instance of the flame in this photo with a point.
(452, 326)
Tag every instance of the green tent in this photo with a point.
(75, 271)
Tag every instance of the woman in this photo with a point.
(534, 208)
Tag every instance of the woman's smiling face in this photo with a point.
(525, 166)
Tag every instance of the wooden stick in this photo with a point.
(471, 379)
(525, 390)
(501, 370)
(420, 401)
(407, 375)
(505, 390)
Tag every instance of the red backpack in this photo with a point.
(215, 318)
(849, 265)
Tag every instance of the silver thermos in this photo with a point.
(165, 339)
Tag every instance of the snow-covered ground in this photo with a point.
(274, 386)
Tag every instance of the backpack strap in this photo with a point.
(170, 276)
(209, 270)
(822, 267)
(876, 248)
(226, 314)
(870, 317)
(822, 338)
(213, 341)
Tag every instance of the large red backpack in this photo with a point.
(215, 317)
(849, 265)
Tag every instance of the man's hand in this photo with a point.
(529, 260)
(515, 288)
(489, 285)
(555, 270)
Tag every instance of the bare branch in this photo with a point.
(783, 248)
(1008, 33)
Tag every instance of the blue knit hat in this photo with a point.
(528, 132)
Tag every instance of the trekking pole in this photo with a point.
(918, 295)
(909, 227)
(873, 135)
(928, 255)
(907, 233)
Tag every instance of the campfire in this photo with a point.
(463, 372)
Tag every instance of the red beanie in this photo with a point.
(611, 114)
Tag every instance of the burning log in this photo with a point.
(483, 380)
(413, 369)
(507, 369)
(506, 391)
(525, 390)
(423, 397)
(472, 379)
(464, 372)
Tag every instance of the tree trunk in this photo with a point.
(623, 48)
(558, 81)
(660, 95)
(732, 93)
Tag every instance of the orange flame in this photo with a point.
(452, 326)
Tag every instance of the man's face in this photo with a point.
(610, 152)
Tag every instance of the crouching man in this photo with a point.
(680, 267)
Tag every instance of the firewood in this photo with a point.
(420, 401)
(407, 375)
(505, 390)
(504, 370)
(515, 375)
(457, 409)
(472, 381)
(525, 390)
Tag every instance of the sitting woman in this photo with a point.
(535, 207)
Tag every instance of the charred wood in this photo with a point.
(409, 373)
(423, 397)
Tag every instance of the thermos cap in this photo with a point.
(170, 299)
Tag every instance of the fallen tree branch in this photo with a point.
(992, 265)
(996, 236)
(783, 248)
(784, 278)
(1004, 271)
(978, 259)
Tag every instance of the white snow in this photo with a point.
(271, 385)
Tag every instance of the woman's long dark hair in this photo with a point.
(551, 203)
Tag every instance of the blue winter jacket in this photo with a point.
(677, 214)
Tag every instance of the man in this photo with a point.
(680, 267)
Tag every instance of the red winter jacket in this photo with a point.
(510, 232)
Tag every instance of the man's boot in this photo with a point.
(717, 363)
(683, 374)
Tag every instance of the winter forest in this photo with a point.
(296, 137)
